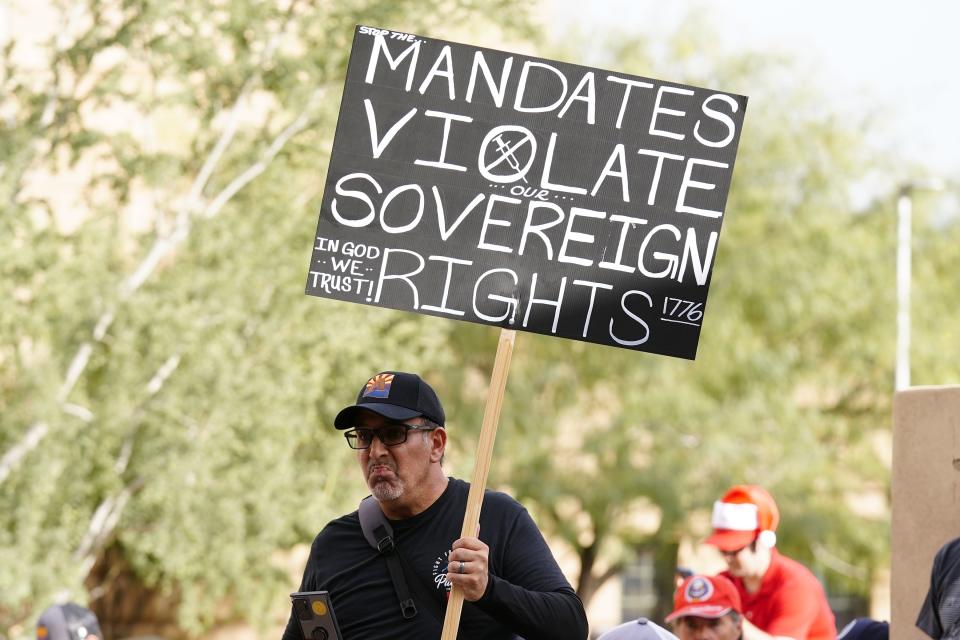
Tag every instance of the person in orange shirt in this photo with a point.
(781, 598)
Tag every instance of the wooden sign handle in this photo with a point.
(488, 433)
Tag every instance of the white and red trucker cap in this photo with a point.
(745, 513)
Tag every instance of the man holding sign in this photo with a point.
(511, 582)
(531, 195)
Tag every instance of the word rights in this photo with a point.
(525, 193)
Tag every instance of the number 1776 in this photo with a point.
(678, 308)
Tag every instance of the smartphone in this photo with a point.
(315, 614)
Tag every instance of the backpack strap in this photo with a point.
(379, 534)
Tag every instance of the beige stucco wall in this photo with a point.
(926, 495)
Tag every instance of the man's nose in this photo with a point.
(699, 633)
(377, 448)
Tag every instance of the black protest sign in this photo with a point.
(525, 193)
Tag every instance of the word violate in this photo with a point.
(615, 169)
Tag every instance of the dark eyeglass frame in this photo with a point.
(354, 440)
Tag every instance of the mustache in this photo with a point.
(381, 463)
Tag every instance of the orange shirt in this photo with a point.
(790, 602)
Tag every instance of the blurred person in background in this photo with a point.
(707, 608)
(680, 574)
(865, 629)
(781, 598)
(639, 629)
(940, 614)
(68, 622)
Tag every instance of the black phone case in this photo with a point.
(315, 614)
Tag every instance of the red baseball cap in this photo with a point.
(705, 597)
(745, 513)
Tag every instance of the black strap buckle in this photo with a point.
(408, 608)
(385, 545)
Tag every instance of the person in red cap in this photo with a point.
(706, 608)
(781, 598)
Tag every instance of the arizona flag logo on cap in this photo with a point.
(378, 386)
(699, 590)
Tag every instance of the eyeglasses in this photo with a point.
(391, 435)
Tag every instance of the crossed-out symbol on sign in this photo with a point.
(506, 151)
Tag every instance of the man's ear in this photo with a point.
(438, 444)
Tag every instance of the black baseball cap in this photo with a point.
(396, 395)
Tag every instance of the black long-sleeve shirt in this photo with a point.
(527, 594)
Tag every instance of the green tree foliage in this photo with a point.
(165, 385)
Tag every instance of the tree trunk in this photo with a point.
(586, 584)
(664, 567)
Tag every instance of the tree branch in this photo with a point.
(107, 514)
(268, 155)
(166, 244)
(614, 569)
(101, 526)
(841, 566)
(34, 435)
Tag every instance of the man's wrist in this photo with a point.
(488, 596)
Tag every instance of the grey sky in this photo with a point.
(895, 58)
